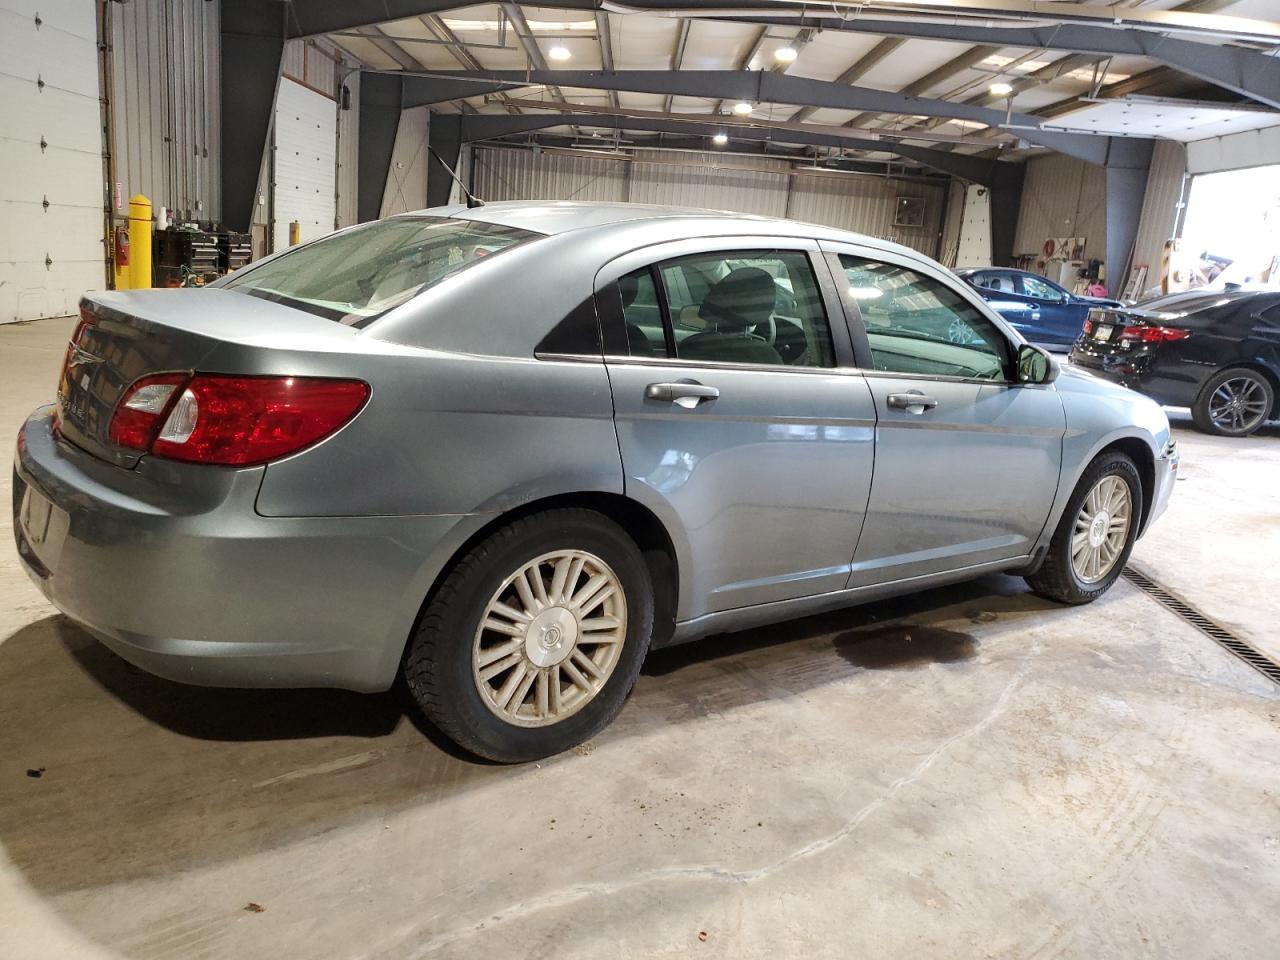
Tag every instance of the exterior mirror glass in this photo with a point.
(1035, 365)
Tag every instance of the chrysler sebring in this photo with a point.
(505, 451)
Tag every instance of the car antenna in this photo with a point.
(472, 199)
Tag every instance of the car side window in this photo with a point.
(1032, 287)
(747, 306)
(918, 325)
(642, 314)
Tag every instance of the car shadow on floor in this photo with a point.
(108, 774)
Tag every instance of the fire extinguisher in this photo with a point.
(122, 247)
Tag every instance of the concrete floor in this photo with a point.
(971, 772)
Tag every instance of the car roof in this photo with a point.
(562, 216)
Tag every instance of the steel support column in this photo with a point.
(1006, 204)
(1128, 167)
(251, 50)
(380, 105)
(445, 139)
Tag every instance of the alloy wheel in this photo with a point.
(1101, 529)
(550, 638)
(1238, 405)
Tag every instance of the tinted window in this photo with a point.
(736, 307)
(916, 324)
(354, 276)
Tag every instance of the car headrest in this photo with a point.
(745, 297)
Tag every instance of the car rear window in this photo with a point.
(355, 276)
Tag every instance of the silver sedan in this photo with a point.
(506, 451)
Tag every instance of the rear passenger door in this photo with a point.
(967, 459)
(741, 421)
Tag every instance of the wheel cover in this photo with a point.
(1238, 404)
(550, 638)
(1101, 529)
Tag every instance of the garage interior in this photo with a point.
(972, 771)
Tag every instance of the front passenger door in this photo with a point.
(741, 422)
(967, 460)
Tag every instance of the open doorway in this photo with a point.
(1233, 226)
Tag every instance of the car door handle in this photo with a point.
(913, 402)
(685, 393)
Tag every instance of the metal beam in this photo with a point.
(251, 54)
(764, 87)
(604, 36)
(855, 72)
(1249, 73)
(493, 126)
(934, 77)
(677, 54)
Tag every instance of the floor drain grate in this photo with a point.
(1215, 631)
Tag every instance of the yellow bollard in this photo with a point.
(295, 233)
(140, 243)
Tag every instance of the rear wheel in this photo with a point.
(1096, 533)
(536, 637)
(1234, 403)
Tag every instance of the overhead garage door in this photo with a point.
(305, 162)
(51, 181)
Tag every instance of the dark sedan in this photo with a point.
(1213, 351)
(1042, 311)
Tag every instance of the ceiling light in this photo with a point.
(720, 139)
(1001, 88)
(559, 52)
(786, 54)
(742, 108)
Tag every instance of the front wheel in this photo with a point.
(1234, 403)
(1096, 533)
(534, 640)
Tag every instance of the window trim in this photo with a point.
(609, 304)
(857, 326)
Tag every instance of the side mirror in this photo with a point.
(1035, 365)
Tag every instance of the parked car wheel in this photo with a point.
(535, 639)
(1234, 403)
(1096, 533)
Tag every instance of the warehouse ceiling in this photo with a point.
(1030, 84)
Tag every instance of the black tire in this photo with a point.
(438, 663)
(1260, 386)
(1056, 578)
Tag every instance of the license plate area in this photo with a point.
(1102, 332)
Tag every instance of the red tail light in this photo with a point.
(1154, 334)
(1088, 327)
(233, 421)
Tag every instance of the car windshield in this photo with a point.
(355, 276)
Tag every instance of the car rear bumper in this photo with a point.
(172, 568)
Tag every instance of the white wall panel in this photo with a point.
(407, 177)
(1252, 148)
(51, 183)
(1063, 197)
(1160, 206)
(305, 162)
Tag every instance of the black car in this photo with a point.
(1040, 310)
(1217, 352)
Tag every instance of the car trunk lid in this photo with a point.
(125, 336)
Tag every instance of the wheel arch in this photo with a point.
(640, 523)
(1140, 452)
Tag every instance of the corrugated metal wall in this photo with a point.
(1063, 197)
(526, 175)
(866, 204)
(1160, 211)
(863, 204)
(952, 220)
(166, 99)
